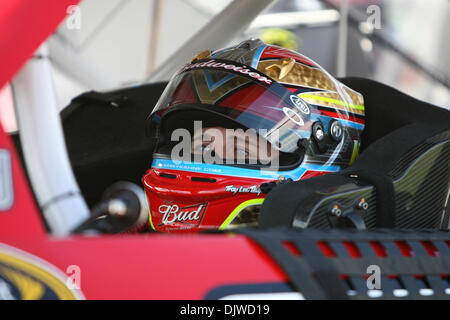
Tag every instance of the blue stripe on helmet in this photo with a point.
(225, 170)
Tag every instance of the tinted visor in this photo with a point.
(241, 94)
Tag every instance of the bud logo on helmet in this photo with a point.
(190, 215)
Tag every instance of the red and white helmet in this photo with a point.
(239, 118)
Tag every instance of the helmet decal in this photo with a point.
(306, 123)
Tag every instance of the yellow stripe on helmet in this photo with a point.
(331, 100)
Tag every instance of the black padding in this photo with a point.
(117, 100)
(283, 202)
(372, 167)
(97, 131)
(388, 109)
(378, 159)
(395, 123)
(106, 139)
(382, 154)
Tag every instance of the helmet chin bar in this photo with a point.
(44, 148)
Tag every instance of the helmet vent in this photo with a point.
(167, 175)
(199, 179)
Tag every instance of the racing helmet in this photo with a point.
(234, 122)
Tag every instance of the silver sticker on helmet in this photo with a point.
(293, 116)
(300, 104)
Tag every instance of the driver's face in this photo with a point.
(232, 144)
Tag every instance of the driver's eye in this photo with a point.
(225, 148)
